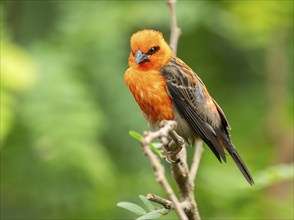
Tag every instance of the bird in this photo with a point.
(166, 88)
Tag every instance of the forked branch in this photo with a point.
(185, 206)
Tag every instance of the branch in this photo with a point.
(179, 166)
(175, 31)
(154, 198)
(175, 152)
(196, 160)
(185, 185)
(184, 178)
(164, 202)
(162, 133)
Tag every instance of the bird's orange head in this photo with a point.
(149, 50)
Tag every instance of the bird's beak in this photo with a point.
(140, 57)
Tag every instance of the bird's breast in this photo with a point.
(149, 90)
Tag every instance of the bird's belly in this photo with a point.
(154, 102)
(184, 129)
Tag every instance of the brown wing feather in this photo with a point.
(190, 101)
(203, 114)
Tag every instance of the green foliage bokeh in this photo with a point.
(66, 113)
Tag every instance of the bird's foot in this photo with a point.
(171, 155)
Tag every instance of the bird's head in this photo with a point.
(149, 50)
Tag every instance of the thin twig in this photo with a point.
(154, 198)
(159, 169)
(196, 159)
(186, 187)
(180, 169)
(175, 31)
(164, 202)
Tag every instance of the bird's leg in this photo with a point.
(175, 147)
(172, 143)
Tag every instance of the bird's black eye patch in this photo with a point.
(152, 50)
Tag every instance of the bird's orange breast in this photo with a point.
(149, 90)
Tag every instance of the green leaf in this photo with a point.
(132, 207)
(156, 149)
(147, 203)
(157, 145)
(135, 135)
(154, 214)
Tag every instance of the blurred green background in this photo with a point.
(66, 113)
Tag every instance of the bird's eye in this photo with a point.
(152, 50)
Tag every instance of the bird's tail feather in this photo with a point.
(239, 162)
(227, 144)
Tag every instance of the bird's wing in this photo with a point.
(193, 102)
(203, 114)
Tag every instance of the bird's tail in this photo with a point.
(227, 144)
(239, 162)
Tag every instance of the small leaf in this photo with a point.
(135, 135)
(132, 207)
(147, 203)
(156, 149)
(157, 145)
(154, 146)
(154, 214)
